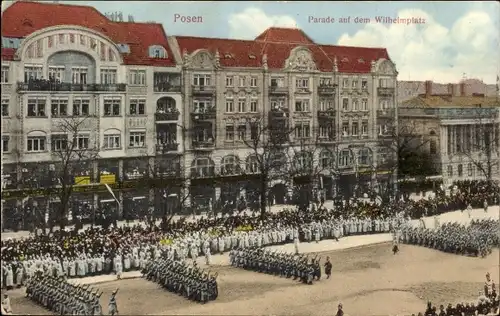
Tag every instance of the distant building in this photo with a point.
(411, 89)
(460, 133)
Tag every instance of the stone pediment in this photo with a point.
(301, 60)
(384, 67)
(202, 60)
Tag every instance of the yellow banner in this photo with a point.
(108, 178)
(82, 180)
(166, 241)
(244, 228)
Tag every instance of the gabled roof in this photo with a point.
(284, 35)
(23, 18)
(354, 59)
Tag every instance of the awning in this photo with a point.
(108, 201)
(138, 198)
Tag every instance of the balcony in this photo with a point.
(47, 85)
(327, 114)
(385, 113)
(275, 90)
(279, 114)
(204, 115)
(167, 116)
(204, 145)
(167, 87)
(385, 91)
(166, 147)
(328, 89)
(203, 90)
(326, 139)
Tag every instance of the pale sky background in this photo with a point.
(457, 37)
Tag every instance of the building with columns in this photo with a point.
(183, 105)
(460, 133)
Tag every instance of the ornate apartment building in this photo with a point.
(183, 105)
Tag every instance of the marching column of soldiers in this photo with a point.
(62, 297)
(186, 280)
(288, 265)
(477, 239)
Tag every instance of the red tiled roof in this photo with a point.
(8, 53)
(354, 59)
(284, 35)
(23, 18)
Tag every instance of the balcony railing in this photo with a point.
(326, 89)
(282, 113)
(204, 145)
(385, 91)
(278, 90)
(47, 85)
(386, 113)
(204, 115)
(167, 116)
(166, 147)
(204, 89)
(167, 87)
(326, 139)
(327, 114)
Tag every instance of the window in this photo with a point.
(137, 139)
(345, 158)
(39, 48)
(253, 106)
(82, 141)
(242, 105)
(108, 76)
(364, 84)
(385, 83)
(355, 104)
(230, 132)
(325, 131)
(277, 104)
(364, 128)
(345, 83)
(277, 82)
(5, 107)
(242, 81)
(432, 147)
(253, 82)
(112, 107)
(157, 51)
(61, 38)
(51, 41)
(56, 73)
(5, 143)
(202, 80)
(364, 105)
(345, 104)
(35, 143)
(71, 38)
(254, 132)
(450, 171)
(82, 39)
(229, 81)
(325, 81)
(252, 164)
(32, 73)
(354, 83)
(79, 75)
(202, 106)
(383, 105)
(302, 83)
(137, 106)
(322, 105)
(326, 159)
(36, 107)
(383, 129)
(112, 141)
(137, 77)
(59, 107)
(102, 52)
(81, 107)
(355, 129)
(469, 169)
(460, 170)
(5, 74)
(302, 130)
(242, 132)
(302, 106)
(364, 156)
(59, 142)
(229, 106)
(345, 129)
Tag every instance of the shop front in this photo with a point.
(168, 202)
(136, 168)
(347, 185)
(82, 208)
(108, 171)
(9, 176)
(135, 204)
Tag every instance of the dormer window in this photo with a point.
(124, 48)
(345, 60)
(27, 23)
(251, 56)
(227, 55)
(361, 61)
(157, 51)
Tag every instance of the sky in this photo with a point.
(445, 41)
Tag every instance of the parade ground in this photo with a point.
(366, 278)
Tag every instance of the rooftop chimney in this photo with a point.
(428, 88)
(451, 89)
(462, 89)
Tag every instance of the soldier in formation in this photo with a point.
(277, 263)
(62, 297)
(184, 279)
(477, 239)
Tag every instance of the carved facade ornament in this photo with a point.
(202, 60)
(335, 64)
(373, 65)
(264, 61)
(301, 61)
(217, 59)
(185, 57)
(385, 68)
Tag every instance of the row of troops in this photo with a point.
(474, 240)
(276, 263)
(186, 280)
(63, 298)
(15, 273)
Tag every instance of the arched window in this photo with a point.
(326, 160)
(345, 158)
(470, 170)
(157, 51)
(460, 170)
(230, 165)
(202, 168)
(166, 105)
(432, 147)
(252, 165)
(364, 157)
(303, 162)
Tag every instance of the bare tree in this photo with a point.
(71, 150)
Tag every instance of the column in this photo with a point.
(186, 193)
(217, 192)
(120, 170)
